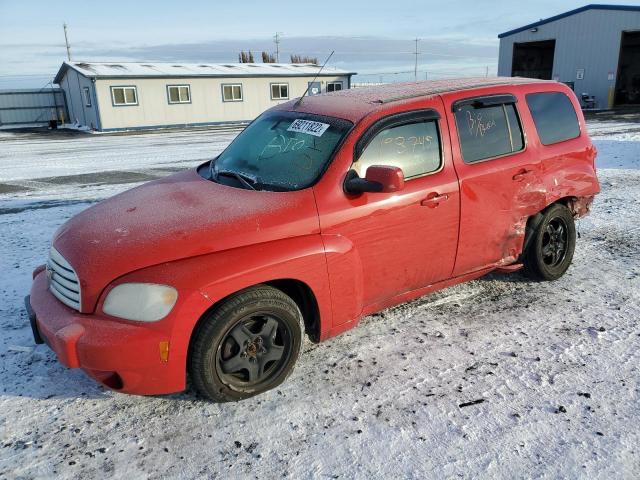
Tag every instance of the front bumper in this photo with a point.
(120, 355)
(32, 320)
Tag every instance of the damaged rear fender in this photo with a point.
(579, 207)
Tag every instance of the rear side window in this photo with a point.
(554, 116)
(413, 147)
(488, 131)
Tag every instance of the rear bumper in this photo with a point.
(120, 355)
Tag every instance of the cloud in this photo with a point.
(368, 55)
(370, 47)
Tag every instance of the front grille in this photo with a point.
(63, 281)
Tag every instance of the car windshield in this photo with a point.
(280, 151)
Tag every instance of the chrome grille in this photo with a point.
(63, 281)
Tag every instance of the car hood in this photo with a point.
(177, 217)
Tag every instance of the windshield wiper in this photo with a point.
(243, 178)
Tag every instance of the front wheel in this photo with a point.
(249, 344)
(549, 250)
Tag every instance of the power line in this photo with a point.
(387, 52)
(483, 70)
(20, 75)
(433, 74)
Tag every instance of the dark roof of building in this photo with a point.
(593, 6)
(355, 103)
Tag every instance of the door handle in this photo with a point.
(520, 176)
(433, 200)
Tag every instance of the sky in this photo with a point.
(374, 38)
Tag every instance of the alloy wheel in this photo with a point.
(555, 241)
(254, 351)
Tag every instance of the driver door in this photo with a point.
(393, 243)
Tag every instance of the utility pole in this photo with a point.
(415, 67)
(486, 71)
(66, 41)
(276, 39)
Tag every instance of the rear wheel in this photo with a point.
(249, 344)
(550, 248)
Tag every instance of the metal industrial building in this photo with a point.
(28, 107)
(594, 49)
(119, 96)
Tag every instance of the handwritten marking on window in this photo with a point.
(407, 144)
(478, 126)
(281, 144)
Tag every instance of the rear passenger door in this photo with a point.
(498, 176)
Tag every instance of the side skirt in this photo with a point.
(407, 296)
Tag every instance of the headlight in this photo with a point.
(143, 302)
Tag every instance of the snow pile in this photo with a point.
(77, 127)
(615, 130)
(499, 377)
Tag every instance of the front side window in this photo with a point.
(232, 93)
(554, 117)
(280, 151)
(279, 91)
(179, 93)
(334, 86)
(488, 131)
(87, 96)
(413, 147)
(124, 96)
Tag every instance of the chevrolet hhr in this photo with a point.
(320, 212)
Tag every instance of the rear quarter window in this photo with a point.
(554, 117)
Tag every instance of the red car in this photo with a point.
(319, 212)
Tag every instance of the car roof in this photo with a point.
(355, 103)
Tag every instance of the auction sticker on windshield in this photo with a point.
(307, 126)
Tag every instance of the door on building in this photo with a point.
(533, 59)
(628, 81)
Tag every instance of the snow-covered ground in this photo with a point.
(553, 366)
(36, 155)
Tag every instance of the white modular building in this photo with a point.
(124, 96)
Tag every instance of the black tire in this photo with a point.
(246, 345)
(550, 244)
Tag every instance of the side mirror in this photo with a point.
(379, 178)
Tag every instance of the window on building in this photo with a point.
(488, 130)
(124, 96)
(86, 93)
(413, 147)
(554, 117)
(314, 88)
(279, 91)
(334, 86)
(232, 92)
(179, 93)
